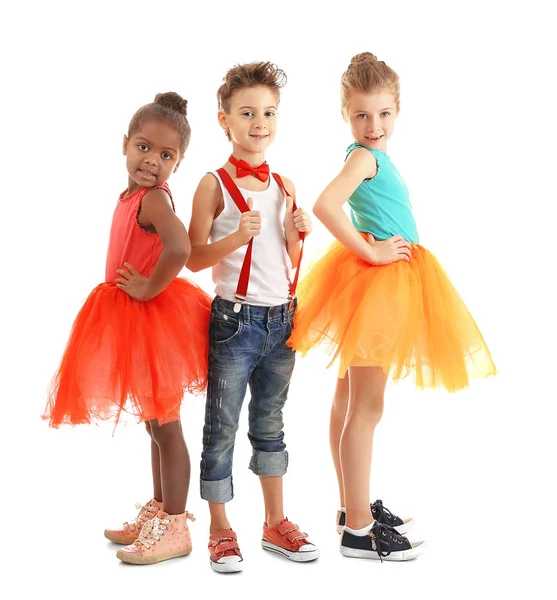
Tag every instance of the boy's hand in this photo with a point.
(133, 283)
(250, 224)
(390, 250)
(296, 222)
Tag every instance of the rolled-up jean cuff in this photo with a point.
(220, 491)
(269, 464)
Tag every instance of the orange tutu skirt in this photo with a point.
(405, 317)
(127, 355)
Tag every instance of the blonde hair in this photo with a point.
(367, 74)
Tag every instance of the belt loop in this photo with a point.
(245, 310)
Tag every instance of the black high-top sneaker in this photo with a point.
(382, 542)
(382, 515)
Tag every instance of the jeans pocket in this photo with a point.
(224, 327)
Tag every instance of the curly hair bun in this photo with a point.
(174, 101)
(363, 57)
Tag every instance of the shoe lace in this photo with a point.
(381, 536)
(379, 511)
(146, 512)
(152, 531)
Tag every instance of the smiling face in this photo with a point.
(152, 154)
(251, 120)
(371, 117)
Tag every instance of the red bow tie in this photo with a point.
(243, 168)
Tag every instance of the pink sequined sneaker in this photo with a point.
(163, 537)
(129, 531)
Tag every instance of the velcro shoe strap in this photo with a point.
(291, 532)
(226, 545)
(300, 535)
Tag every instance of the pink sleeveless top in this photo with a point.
(129, 242)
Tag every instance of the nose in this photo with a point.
(260, 123)
(373, 124)
(150, 159)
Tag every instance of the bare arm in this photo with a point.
(157, 215)
(205, 204)
(294, 223)
(360, 165)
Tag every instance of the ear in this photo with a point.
(125, 146)
(177, 165)
(221, 115)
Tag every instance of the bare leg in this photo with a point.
(272, 496)
(174, 465)
(219, 520)
(155, 465)
(365, 408)
(338, 417)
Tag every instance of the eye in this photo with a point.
(362, 116)
(143, 147)
(270, 113)
(166, 155)
(385, 113)
(248, 113)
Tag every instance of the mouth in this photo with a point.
(373, 138)
(147, 174)
(259, 136)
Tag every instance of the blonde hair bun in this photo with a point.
(363, 57)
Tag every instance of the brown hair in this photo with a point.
(246, 76)
(170, 107)
(250, 75)
(367, 74)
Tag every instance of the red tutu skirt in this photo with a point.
(405, 317)
(132, 356)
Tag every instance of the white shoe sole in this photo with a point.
(402, 529)
(401, 555)
(230, 566)
(295, 556)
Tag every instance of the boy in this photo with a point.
(252, 254)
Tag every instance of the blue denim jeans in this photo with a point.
(248, 347)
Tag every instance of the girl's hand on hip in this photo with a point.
(133, 283)
(390, 250)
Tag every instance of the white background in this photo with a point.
(476, 143)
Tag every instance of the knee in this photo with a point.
(167, 433)
(370, 412)
(340, 404)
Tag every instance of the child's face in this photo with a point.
(371, 117)
(251, 121)
(153, 153)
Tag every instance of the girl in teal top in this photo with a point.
(381, 304)
(381, 206)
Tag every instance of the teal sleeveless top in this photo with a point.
(381, 206)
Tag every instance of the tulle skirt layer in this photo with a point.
(405, 317)
(132, 356)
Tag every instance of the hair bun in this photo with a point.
(363, 57)
(174, 101)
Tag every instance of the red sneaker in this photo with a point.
(289, 541)
(224, 552)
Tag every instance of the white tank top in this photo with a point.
(271, 267)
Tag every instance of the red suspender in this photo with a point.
(239, 200)
(302, 237)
